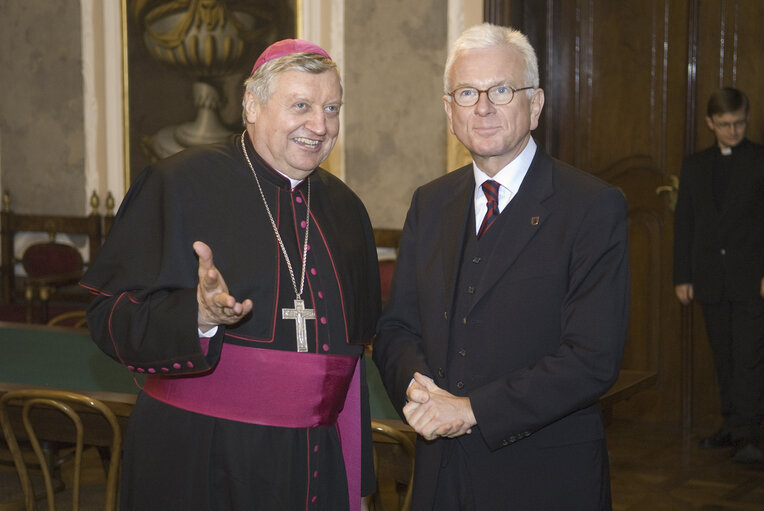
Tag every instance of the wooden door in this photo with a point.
(626, 85)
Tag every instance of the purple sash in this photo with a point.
(277, 388)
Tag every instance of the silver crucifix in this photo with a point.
(299, 314)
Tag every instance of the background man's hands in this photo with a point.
(685, 294)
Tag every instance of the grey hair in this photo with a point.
(260, 83)
(486, 35)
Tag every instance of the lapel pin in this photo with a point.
(534, 220)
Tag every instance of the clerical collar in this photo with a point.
(727, 151)
(512, 175)
(294, 182)
(275, 176)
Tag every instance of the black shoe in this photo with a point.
(748, 453)
(716, 441)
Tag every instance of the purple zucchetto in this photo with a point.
(288, 47)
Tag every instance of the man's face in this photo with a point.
(297, 128)
(493, 134)
(729, 128)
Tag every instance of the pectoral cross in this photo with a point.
(299, 314)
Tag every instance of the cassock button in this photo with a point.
(313, 271)
(298, 199)
(325, 347)
(462, 352)
(131, 368)
(441, 372)
(464, 320)
(471, 289)
(445, 315)
(460, 384)
(476, 260)
(723, 251)
(303, 224)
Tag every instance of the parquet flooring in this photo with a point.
(656, 468)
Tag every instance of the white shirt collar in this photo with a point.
(511, 176)
(293, 182)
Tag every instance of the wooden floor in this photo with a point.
(653, 468)
(92, 491)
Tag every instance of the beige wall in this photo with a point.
(42, 143)
(394, 121)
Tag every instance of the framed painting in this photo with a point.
(184, 62)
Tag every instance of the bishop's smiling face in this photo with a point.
(297, 128)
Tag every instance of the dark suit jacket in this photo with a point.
(551, 317)
(721, 253)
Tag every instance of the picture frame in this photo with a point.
(161, 81)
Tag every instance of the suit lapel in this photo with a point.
(455, 216)
(526, 216)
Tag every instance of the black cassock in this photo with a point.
(145, 316)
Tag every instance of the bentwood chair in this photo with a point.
(39, 406)
(74, 319)
(398, 446)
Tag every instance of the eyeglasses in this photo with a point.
(727, 125)
(498, 95)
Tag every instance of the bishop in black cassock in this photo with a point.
(195, 438)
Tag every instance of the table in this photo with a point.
(38, 356)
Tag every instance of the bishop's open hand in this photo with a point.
(216, 306)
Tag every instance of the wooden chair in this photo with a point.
(50, 265)
(386, 435)
(75, 406)
(74, 319)
(387, 239)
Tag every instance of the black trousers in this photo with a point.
(570, 477)
(736, 333)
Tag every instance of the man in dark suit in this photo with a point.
(508, 311)
(719, 261)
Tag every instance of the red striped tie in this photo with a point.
(491, 191)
